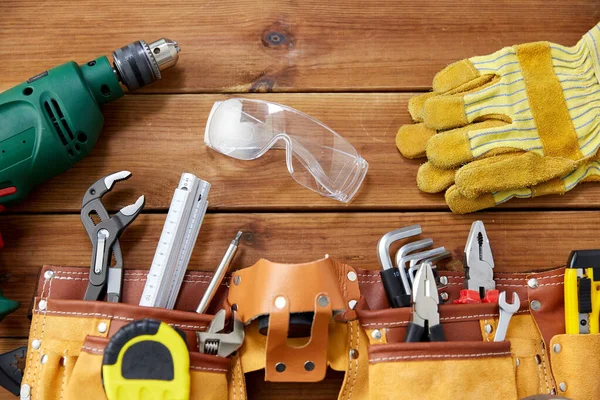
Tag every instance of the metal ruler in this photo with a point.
(176, 242)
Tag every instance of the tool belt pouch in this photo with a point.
(469, 364)
(68, 335)
(299, 319)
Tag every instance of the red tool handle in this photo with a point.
(472, 297)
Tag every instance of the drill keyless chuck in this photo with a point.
(139, 64)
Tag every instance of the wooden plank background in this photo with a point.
(352, 64)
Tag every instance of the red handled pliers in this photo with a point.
(479, 268)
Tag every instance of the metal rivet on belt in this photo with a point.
(532, 283)
(49, 274)
(444, 296)
(280, 367)
(488, 328)
(36, 344)
(444, 280)
(42, 305)
(517, 362)
(323, 301)
(562, 386)
(44, 359)
(557, 348)
(376, 334)
(535, 305)
(237, 280)
(102, 327)
(25, 391)
(538, 359)
(353, 354)
(280, 303)
(352, 276)
(63, 361)
(309, 366)
(352, 304)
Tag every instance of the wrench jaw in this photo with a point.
(128, 214)
(103, 186)
(216, 342)
(506, 312)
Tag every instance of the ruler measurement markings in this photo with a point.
(176, 242)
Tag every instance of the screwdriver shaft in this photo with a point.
(215, 282)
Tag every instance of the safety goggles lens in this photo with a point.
(317, 157)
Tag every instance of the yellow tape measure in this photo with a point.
(146, 359)
(582, 292)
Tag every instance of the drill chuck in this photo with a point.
(139, 63)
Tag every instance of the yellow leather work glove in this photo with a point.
(522, 122)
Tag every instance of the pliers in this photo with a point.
(425, 325)
(104, 237)
(479, 268)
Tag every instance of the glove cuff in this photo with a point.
(592, 42)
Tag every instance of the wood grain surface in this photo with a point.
(260, 45)
(352, 64)
(157, 137)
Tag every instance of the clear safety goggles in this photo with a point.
(316, 157)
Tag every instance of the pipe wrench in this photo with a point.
(104, 237)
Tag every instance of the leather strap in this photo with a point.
(323, 287)
(306, 363)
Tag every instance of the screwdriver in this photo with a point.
(216, 280)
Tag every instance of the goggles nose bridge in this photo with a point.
(288, 149)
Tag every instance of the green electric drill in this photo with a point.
(53, 120)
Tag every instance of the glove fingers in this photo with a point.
(411, 140)
(445, 112)
(432, 179)
(454, 75)
(450, 111)
(460, 204)
(508, 172)
(452, 148)
(416, 105)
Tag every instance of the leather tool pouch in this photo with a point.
(68, 335)
(324, 290)
(469, 365)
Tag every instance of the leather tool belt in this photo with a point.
(353, 330)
